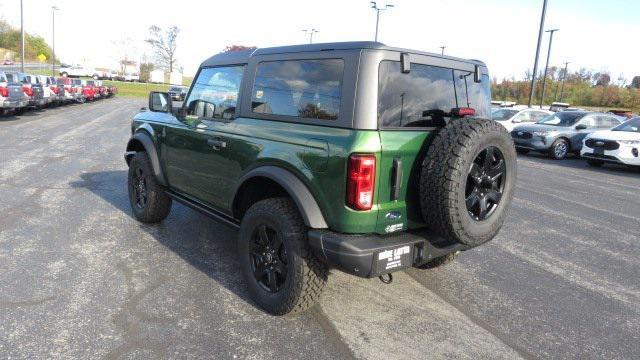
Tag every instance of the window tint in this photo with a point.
(300, 88)
(419, 98)
(215, 93)
(425, 96)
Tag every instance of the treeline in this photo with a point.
(33, 45)
(581, 88)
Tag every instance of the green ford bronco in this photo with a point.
(352, 156)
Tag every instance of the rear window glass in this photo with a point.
(3, 78)
(300, 88)
(426, 95)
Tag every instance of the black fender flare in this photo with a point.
(150, 148)
(297, 190)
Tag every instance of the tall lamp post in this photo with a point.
(310, 32)
(21, 38)
(535, 63)
(442, 48)
(375, 7)
(564, 78)
(53, 38)
(546, 68)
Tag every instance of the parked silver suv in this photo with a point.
(561, 133)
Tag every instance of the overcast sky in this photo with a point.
(596, 34)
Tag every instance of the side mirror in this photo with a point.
(581, 127)
(160, 102)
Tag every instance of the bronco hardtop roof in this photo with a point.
(240, 57)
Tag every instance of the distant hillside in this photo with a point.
(33, 45)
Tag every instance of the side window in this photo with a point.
(589, 121)
(524, 117)
(537, 116)
(215, 93)
(300, 88)
(420, 98)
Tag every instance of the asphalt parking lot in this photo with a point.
(80, 278)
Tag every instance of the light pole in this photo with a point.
(310, 32)
(566, 65)
(375, 7)
(21, 38)
(442, 48)
(546, 68)
(53, 38)
(535, 63)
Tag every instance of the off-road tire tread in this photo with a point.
(158, 202)
(442, 176)
(312, 277)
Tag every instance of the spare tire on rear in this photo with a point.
(467, 180)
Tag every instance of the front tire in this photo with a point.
(149, 202)
(282, 275)
(559, 149)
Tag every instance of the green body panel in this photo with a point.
(317, 155)
(409, 147)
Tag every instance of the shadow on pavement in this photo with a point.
(205, 244)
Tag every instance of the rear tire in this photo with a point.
(149, 202)
(282, 274)
(467, 180)
(595, 163)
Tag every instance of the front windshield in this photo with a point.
(632, 125)
(503, 114)
(562, 118)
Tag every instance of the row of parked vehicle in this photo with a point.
(20, 92)
(598, 137)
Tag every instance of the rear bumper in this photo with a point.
(13, 104)
(372, 255)
(37, 102)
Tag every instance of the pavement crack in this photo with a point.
(24, 303)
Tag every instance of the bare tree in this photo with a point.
(164, 43)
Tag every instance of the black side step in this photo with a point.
(204, 209)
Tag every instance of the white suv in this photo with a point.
(511, 117)
(618, 145)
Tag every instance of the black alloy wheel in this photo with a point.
(139, 186)
(485, 183)
(268, 258)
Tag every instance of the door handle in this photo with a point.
(217, 144)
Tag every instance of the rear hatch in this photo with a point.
(38, 92)
(411, 108)
(15, 91)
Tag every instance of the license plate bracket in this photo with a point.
(393, 259)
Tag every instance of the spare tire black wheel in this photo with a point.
(467, 180)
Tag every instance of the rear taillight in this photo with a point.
(361, 173)
(27, 90)
(4, 92)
